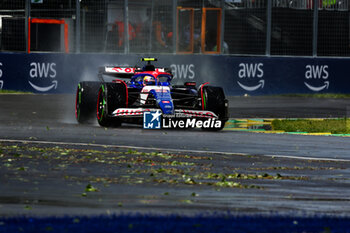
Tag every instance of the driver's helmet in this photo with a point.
(149, 80)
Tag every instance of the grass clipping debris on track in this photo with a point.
(334, 126)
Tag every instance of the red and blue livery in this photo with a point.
(134, 91)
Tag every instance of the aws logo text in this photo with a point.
(41, 71)
(317, 72)
(251, 71)
(183, 71)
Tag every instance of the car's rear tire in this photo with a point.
(85, 101)
(110, 97)
(214, 100)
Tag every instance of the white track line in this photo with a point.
(170, 150)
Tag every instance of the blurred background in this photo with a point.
(238, 27)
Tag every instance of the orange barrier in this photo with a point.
(49, 21)
(218, 32)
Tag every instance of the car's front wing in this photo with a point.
(178, 113)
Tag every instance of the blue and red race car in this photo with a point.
(136, 93)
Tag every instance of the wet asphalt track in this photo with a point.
(50, 118)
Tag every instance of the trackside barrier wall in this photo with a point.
(60, 73)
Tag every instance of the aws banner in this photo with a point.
(60, 73)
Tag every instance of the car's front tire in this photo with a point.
(111, 96)
(213, 99)
(85, 101)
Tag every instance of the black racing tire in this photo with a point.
(110, 97)
(85, 101)
(214, 100)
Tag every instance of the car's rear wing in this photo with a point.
(125, 72)
(118, 71)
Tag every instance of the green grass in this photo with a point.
(334, 126)
(14, 92)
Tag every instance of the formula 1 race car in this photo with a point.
(146, 96)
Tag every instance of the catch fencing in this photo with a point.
(238, 27)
